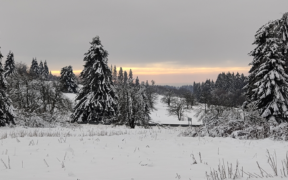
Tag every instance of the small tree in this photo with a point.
(114, 76)
(97, 98)
(137, 81)
(9, 65)
(68, 80)
(177, 108)
(120, 76)
(189, 99)
(131, 76)
(125, 77)
(34, 69)
(45, 73)
(168, 97)
(134, 104)
(41, 69)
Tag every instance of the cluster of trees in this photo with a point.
(36, 94)
(135, 99)
(30, 93)
(227, 90)
(40, 70)
(106, 95)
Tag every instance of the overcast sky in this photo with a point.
(168, 41)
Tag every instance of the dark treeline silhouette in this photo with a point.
(227, 90)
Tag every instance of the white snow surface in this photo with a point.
(118, 153)
(71, 96)
(161, 114)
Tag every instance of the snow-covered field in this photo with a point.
(161, 115)
(106, 152)
(90, 152)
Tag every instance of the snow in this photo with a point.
(109, 153)
(161, 114)
(71, 96)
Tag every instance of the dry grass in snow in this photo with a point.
(106, 152)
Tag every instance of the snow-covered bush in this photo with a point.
(279, 132)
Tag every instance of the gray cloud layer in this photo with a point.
(192, 33)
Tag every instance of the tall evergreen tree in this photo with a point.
(97, 98)
(131, 75)
(114, 74)
(125, 77)
(267, 82)
(45, 73)
(34, 69)
(68, 80)
(120, 76)
(137, 81)
(41, 68)
(6, 108)
(9, 64)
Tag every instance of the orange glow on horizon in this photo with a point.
(169, 70)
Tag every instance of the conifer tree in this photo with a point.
(134, 104)
(120, 76)
(45, 73)
(6, 108)
(131, 75)
(114, 74)
(267, 82)
(9, 65)
(97, 98)
(41, 68)
(68, 80)
(137, 81)
(125, 77)
(34, 69)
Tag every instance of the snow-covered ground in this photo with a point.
(118, 153)
(161, 115)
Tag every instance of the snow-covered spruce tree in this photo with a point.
(283, 28)
(97, 98)
(267, 83)
(125, 79)
(41, 69)
(140, 106)
(6, 108)
(45, 72)
(68, 80)
(9, 65)
(34, 69)
(120, 76)
(114, 76)
(137, 83)
(131, 76)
